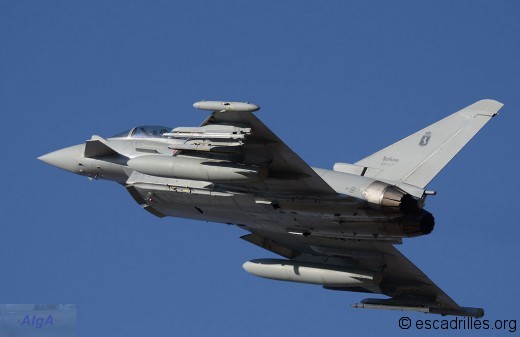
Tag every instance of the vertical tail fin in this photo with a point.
(418, 158)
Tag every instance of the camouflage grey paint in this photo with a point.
(336, 227)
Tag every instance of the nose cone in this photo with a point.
(66, 159)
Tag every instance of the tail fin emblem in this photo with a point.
(425, 139)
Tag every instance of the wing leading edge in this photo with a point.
(287, 171)
(406, 285)
(411, 290)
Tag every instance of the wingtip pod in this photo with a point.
(226, 106)
(413, 305)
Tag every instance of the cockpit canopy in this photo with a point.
(146, 131)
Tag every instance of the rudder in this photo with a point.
(418, 158)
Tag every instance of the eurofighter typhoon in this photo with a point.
(335, 228)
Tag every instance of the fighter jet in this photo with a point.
(335, 228)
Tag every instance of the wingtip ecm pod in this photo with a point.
(226, 106)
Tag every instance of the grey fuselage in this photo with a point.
(336, 228)
(352, 214)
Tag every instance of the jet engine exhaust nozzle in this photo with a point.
(421, 224)
(391, 199)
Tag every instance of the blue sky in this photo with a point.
(336, 81)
